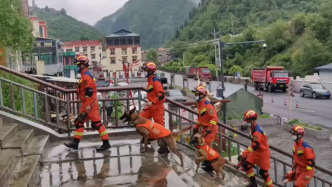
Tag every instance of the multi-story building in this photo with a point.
(163, 55)
(121, 46)
(92, 49)
(39, 27)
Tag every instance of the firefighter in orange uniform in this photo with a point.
(207, 115)
(156, 95)
(87, 92)
(258, 153)
(304, 160)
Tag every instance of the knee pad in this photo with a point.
(94, 125)
(246, 165)
(264, 174)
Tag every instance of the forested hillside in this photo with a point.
(155, 20)
(298, 34)
(64, 27)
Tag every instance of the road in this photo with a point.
(312, 111)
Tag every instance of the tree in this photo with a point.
(63, 11)
(152, 55)
(17, 34)
(84, 38)
(47, 9)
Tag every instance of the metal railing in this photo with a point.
(278, 157)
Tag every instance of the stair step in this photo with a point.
(8, 161)
(20, 140)
(7, 132)
(38, 146)
(25, 172)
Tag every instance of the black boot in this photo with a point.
(252, 182)
(73, 144)
(106, 145)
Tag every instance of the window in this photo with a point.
(134, 51)
(124, 58)
(92, 48)
(93, 56)
(134, 58)
(69, 50)
(99, 47)
(77, 49)
(112, 51)
(112, 60)
(84, 49)
(124, 51)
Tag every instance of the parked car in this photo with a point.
(176, 95)
(315, 91)
(163, 80)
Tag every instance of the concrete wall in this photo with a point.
(298, 82)
(317, 134)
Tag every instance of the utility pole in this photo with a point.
(215, 52)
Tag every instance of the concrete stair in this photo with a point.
(20, 154)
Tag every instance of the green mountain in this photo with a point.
(155, 20)
(297, 33)
(64, 27)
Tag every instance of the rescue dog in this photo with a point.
(217, 164)
(164, 143)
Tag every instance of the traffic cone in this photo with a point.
(285, 102)
(297, 104)
(272, 100)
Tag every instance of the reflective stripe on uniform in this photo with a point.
(300, 152)
(78, 133)
(309, 168)
(251, 174)
(203, 110)
(151, 126)
(103, 133)
(150, 87)
(269, 183)
(213, 122)
(250, 149)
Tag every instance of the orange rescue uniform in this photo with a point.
(258, 153)
(304, 159)
(87, 81)
(208, 119)
(211, 153)
(156, 130)
(156, 95)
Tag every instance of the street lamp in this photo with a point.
(220, 90)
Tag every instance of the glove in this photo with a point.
(80, 118)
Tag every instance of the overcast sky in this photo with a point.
(89, 11)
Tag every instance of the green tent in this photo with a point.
(242, 101)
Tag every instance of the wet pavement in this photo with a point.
(122, 166)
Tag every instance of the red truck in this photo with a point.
(271, 78)
(190, 71)
(203, 72)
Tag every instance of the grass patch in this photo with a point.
(305, 125)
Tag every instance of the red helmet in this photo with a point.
(200, 90)
(297, 130)
(82, 59)
(250, 115)
(149, 66)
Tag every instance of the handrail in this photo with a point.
(243, 134)
(33, 79)
(172, 102)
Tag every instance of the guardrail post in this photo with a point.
(35, 105)
(68, 114)
(139, 100)
(23, 101)
(1, 96)
(12, 96)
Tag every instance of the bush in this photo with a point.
(6, 93)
